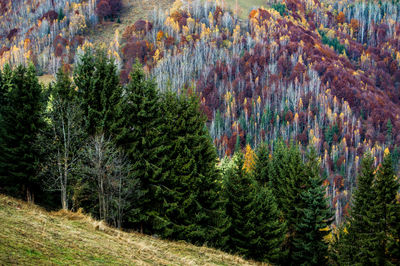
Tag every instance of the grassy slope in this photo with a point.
(244, 6)
(133, 10)
(30, 235)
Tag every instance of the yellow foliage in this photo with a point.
(386, 152)
(249, 159)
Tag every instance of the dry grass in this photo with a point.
(46, 79)
(31, 236)
(243, 6)
(133, 10)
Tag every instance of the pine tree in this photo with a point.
(139, 133)
(239, 194)
(313, 222)
(97, 80)
(22, 119)
(288, 180)
(270, 230)
(357, 245)
(386, 211)
(190, 185)
(262, 165)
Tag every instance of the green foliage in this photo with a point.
(239, 191)
(270, 230)
(358, 243)
(98, 85)
(314, 220)
(288, 180)
(138, 132)
(21, 122)
(386, 211)
(191, 207)
(281, 8)
(373, 229)
(334, 42)
(60, 14)
(254, 230)
(262, 165)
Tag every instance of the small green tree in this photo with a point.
(358, 243)
(262, 165)
(313, 223)
(67, 137)
(267, 243)
(238, 192)
(386, 211)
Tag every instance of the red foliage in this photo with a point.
(108, 8)
(58, 51)
(142, 26)
(103, 8)
(3, 50)
(12, 34)
(50, 16)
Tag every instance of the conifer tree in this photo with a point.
(239, 194)
(97, 80)
(288, 181)
(262, 165)
(190, 183)
(386, 211)
(270, 230)
(22, 119)
(139, 133)
(309, 247)
(356, 245)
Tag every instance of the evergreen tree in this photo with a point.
(386, 211)
(239, 194)
(357, 245)
(262, 165)
(190, 184)
(288, 180)
(270, 230)
(22, 119)
(313, 222)
(97, 80)
(139, 132)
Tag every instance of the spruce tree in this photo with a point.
(386, 211)
(97, 80)
(309, 247)
(270, 230)
(288, 180)
(22, 120)
(262, 165)
(139, 133)
(190, 184)
(239, 194)
(357, 245)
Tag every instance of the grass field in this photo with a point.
(31, 236)
(133, 10)
(244, 6)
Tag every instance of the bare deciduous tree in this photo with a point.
(108, 168)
